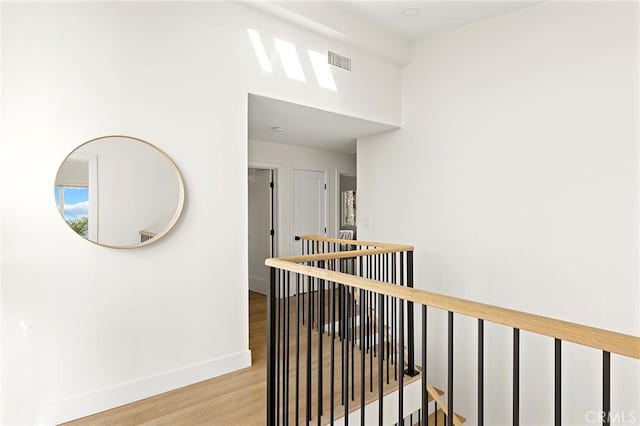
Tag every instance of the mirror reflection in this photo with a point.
(119, 191)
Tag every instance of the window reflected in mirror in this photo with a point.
(73, 204)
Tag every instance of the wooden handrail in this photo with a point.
(622, 344)
(397, 247)
(342, 254)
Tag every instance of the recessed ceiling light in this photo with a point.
(277, 129)
(411, 11)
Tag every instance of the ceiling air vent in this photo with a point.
(339, 61)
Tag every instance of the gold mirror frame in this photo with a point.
(181, 192)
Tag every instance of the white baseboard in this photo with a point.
(104, 399)
(259, 285)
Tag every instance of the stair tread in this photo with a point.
(437, 394)
(431, 421)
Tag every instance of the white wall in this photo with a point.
(131, 323)
(285, 158)
(516, 177)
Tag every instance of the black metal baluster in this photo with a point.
(480, 372)
(297, 418)
(401, 362)
(287, 315)
(314, 245)
(394, 320)
(435, 417)
(271, 349)
(341, 308)
(342, 341)
(362, 357)
(424, 396)
(606, 388)
(332, 314)
(334, 264)
(375, 300)
(343, 397)
(345, 358)
(516, 377)
(371, 340)
(353, 340)
(558, 383)
(386, 299)
(411, 365)
(278, 333)
(380, 311)
(306, 294)
(450, 373)
(386, 332)
(309, 326)
(394, 337)
(320, 349)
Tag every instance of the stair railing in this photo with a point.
(355, 294)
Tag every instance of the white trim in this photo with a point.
(92, 161)
(94, 200)
(258, 285)
(279, 170)
(103, 399)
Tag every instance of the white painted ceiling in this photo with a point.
(306, 126)
(433, 15)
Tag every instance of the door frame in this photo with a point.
(276, 206)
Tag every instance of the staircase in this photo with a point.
(341, 341)
(343, 354)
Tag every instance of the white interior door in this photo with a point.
(259, 229)
(308, 204)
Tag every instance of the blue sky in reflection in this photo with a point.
(76, 202)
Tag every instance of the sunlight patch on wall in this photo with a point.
(322, 70)
(261, 53)
(290, 60)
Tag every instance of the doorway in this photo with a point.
(309, 204)
(262, 238)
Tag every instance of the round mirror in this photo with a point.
(119, 191)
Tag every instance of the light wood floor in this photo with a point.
(239, 398)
